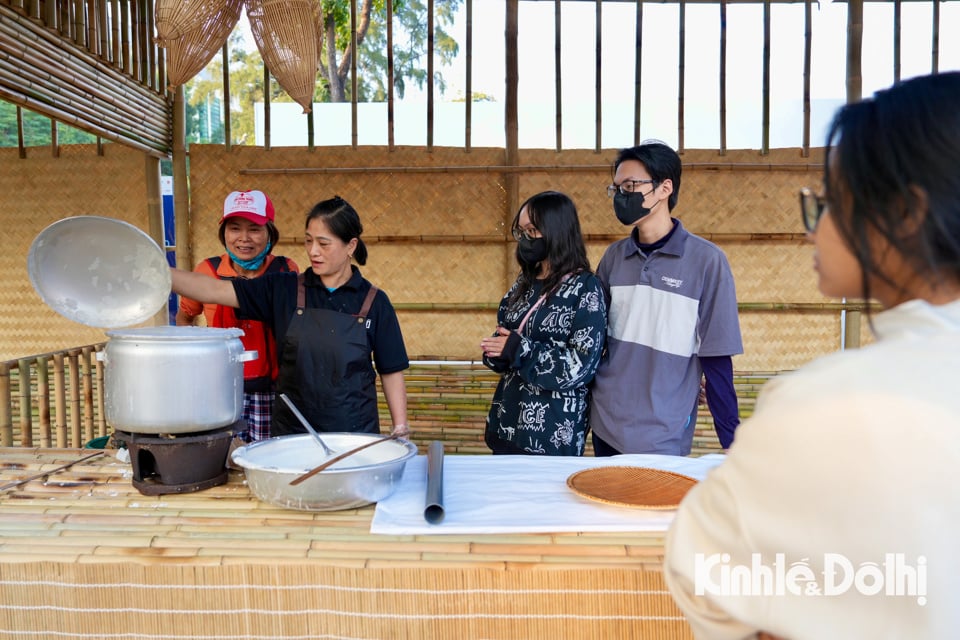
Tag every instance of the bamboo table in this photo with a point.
(84, 555)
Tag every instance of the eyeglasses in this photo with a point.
(811, 208)
(627, 187)
(526, 234)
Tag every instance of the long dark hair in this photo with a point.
(343, 221)
(893, 168)
(555, 216)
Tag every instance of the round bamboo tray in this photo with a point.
(638, 487)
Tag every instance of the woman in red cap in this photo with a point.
(248, 233)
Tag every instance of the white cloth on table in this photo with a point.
(522, 494)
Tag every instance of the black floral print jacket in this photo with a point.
(540, 405)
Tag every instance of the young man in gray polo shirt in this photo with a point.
(672, 317)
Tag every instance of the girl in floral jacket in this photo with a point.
(550, 331)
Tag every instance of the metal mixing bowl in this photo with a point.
(367, 476)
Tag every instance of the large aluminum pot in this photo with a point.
(366, 476)
(173, 379)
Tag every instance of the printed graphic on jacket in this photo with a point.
(540, 405)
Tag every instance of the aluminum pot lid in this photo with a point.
(101, 272)
(177, 334)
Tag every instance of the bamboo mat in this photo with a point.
(85, 555)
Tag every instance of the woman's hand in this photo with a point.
(493, 346)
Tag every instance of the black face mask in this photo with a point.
(629, 207)
(532, 251)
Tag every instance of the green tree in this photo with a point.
(36, 129)
(246, 89)
(409, 46)
(333, 85)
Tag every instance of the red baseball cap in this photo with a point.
(255, 206)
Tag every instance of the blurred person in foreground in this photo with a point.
(248, 233)
(672, 319)
(549, 335)
(835, 513)
(332, 327)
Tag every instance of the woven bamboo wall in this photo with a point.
(36, 191)
(437, 233)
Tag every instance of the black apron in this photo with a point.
(326, 371)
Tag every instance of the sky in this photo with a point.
(659, 66)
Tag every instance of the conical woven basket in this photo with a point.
(286, 36)
(189, 54)
(176, 18)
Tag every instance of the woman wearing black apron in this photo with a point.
(335, 331)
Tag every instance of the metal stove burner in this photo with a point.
(180, 463)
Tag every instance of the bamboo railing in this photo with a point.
(52, 399)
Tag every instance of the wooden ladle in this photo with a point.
(340, 457)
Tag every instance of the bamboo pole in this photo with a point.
(54, 139)
(43, 400)
(227, 132)
(93, 37)
(78, 32)
(935, 39)
(78, 103)
(151, 171)
(181, 194)
(723, 77)
(354, 54)
(468, 61)
(60, 399)
(765, 104)
(162, 79)
(125, 45)
(60, 82)
(266, 108)
(150, 49)
(637, 74)
(139, 38)
(391, 115)
(101, 416)
(86, 373)
(103, 29)
(6, 407)
(814, 167)
(854, 49)
(44, 108)
(511, 153)
(557, 75)
(20, 142)
(74, 404)
(430, 71)
(64, 22)
(851, 320)
(598, 78)
(43, 50)
(50, 14)
(897, 32)
(681, 74)
(26, 405)
(115, 29)
(807, 55)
